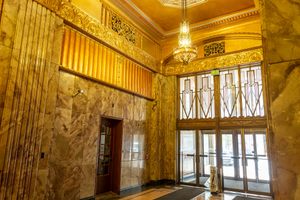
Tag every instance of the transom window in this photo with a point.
(240, 94)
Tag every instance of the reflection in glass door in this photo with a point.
(232, 159)
(207, 154)
(197, 154)
(257, 161)
(188, 156)
(245, 154)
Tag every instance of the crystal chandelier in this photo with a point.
(185, 52)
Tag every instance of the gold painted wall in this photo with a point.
(88, 57)
(281, 30)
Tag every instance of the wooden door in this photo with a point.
(109, 156)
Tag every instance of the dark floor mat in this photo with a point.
(245, 198)
(185, 193)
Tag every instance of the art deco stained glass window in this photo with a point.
(187, 98)
(240, 94)
(252, 91)
(229, 93)
(205, 96)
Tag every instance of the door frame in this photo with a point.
(117, 141)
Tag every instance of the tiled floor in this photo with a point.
(154, 193)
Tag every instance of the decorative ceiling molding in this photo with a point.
(146, 22)
(218, 21)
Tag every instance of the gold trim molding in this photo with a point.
(217, 62)
(72, 14)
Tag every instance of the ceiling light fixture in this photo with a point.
(185, 52)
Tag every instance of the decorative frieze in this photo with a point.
(123, 29)
(226, 60)
(215, 48)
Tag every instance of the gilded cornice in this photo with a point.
(72, 14)
(217, 62)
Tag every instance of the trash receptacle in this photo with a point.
(213, 180)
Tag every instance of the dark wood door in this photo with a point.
(109, 156)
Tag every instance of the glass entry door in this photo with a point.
(207, 154)
(188, 157)
(232, 163)
(197, 153)
(245, 161)
(243, 156)
(257, 161)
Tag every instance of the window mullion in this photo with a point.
(240, 92)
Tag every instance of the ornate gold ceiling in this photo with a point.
(166, 19)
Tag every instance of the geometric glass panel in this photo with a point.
(252, 91)
(229, 93)
(205, 96)
(187, 98)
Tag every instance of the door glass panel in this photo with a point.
(258, 175)
(232, 159)
(104, 155)
(207, 141)
(188, 156)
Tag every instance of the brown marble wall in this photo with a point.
(74, 144)
(30, 41)
(281, 30)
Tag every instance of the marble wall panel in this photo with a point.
(281, 28)
(285, 112)
(281, 48)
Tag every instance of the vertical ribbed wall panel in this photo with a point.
(25, 101)
(90, 58)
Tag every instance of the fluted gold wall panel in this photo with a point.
(90, 58)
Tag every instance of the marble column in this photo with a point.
(281, 41)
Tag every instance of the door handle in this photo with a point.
(190, 155)
(203, 155)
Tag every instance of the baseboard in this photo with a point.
(89, 198)
(160, 182)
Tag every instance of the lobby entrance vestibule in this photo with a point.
(222, 123)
